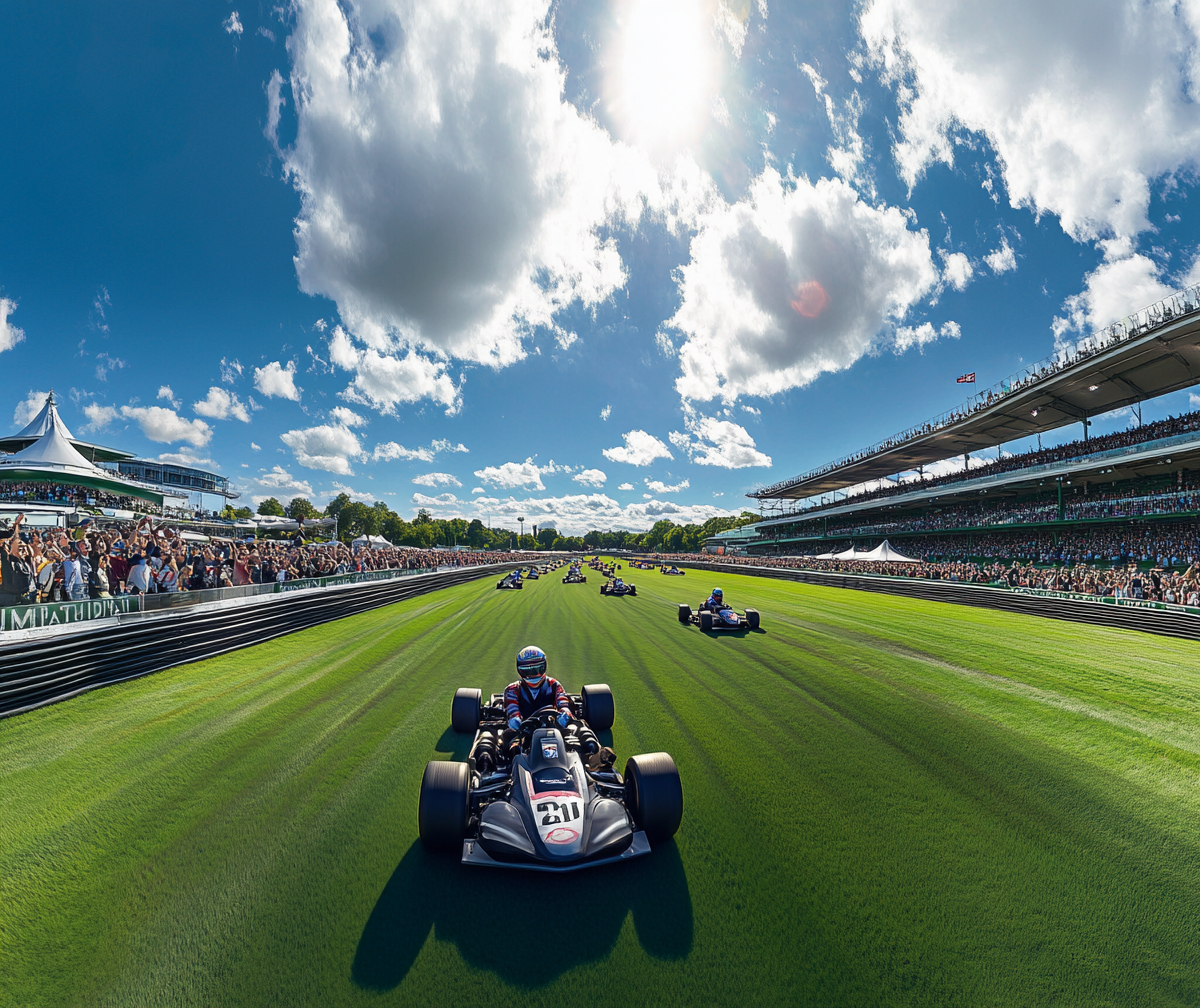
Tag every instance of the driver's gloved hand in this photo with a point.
(564, 719)
(514, 723)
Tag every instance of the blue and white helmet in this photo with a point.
(717, 593)
(531, 663)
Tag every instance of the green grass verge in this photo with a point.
(888, 802)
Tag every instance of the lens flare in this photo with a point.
(810, 299)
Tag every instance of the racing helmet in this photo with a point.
(717, 593)
(531, 665)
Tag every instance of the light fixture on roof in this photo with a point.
(1034, 413)
(1092, 388)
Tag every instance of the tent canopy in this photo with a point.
(375, 542)
(48, 419)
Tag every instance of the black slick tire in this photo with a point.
(442, 814)
(685, 614)
(466, 710)
(706, 621)
(654, 794)
(752, 619)
(599, 708)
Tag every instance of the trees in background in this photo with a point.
(272, 508)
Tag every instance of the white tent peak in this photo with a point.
(46, 419)
(54, 447)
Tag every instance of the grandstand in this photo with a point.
(1132, 495)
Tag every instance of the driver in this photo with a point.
(534, 690)
(716, 601)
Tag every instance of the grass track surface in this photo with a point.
(888, 801)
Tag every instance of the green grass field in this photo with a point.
(888, 802)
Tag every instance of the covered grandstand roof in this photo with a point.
(48, 418)
(1147, 354)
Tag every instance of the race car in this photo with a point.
(724, 618)
(617, 587)
(511, 580)
(543, 808)
(575, 576)
(671, 570)
(533, 574)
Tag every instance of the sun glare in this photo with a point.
(665, 76)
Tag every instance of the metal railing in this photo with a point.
(1169, 309)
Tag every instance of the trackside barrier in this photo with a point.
(1125, 614)
(48, 668)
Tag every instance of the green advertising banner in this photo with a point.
(32, 617)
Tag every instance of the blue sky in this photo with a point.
(590, 263)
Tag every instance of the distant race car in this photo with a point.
(671, 570)
(617, 587)
(724, 618)
(512, 580)
(575, 576)
(543, 808)
(533, 574)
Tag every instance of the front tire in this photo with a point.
(752, 618)
(654, 794)
(599, 708)
(632, 590)
(706, 619)
(685, 614)
(466, 710)
(442, 814)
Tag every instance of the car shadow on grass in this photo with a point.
(488, 914)
(458, 744)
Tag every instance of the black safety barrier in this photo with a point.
(1168, 622)
(37, 672)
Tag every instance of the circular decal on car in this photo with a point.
(561, 835)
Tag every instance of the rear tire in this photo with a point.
(599, 708)
(706, 621)
(685, 614)
(442, 814)
(752, 618)
(654, 794)
(632, 590)
(466, 710)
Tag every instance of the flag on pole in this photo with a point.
(967, 379)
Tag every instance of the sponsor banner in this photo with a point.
(300, 584)
(1128, 603)
(47, 614)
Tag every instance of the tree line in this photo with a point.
(357, 519)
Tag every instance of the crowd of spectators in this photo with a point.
(143, 558)
(1170, 427)
(76, 496)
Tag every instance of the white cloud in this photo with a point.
(10, 335)
(640, 449)
(958, 270)
(255, 447)
(161, 424)
(606, 412)
(451, 199)
(478, 490)
(714, 442)
(436, 479)
(1120, 285)
(625, 486)
(280, 481)
(99, 417)
(1082, 112)
(572, 514)
(353, 494)
(383, 380)
(389, 451)
(187, 458)
(591, 477)
(517, 474)
(909, 337)
(29, 407)
(448, 446)
(231, 370)
(220, 405)
(658, 486)
(330, 447)
(795, 280)
(1001, 260)
(347, 418)
(847, 153)
(232, 24)
(751, 409)
(276, 380)
(164, 392)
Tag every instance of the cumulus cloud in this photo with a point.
(283, 483)
(1122, 284)
(714, 442)
(1083, 113)
(510, 475)
(957, 270)
(346, 417)
(220, 405)
(389, 451)
(161, 424)
(917, 336)
(451, 199)
(10, 335)
(658, 486)
(1002, 259)
(277, 380)
(606, 412)
(573, 514)
(591, 477)
(187, 458)
(330, 447)
(29, 407)
(164, 392)
(436, 479)
(795, 280)
(625, 486)
(384, 380)
(99, 417)
(640, 449)
(232, 24)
